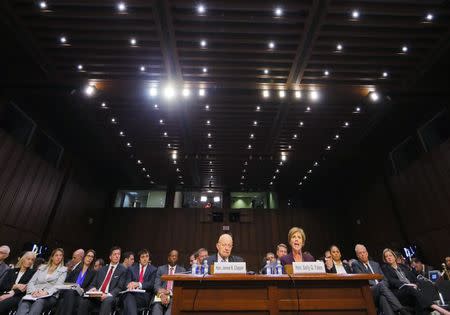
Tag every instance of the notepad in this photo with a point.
(29, 297)
(133, 291)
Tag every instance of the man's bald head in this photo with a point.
(224, 245)
(78, 255)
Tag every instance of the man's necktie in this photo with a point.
(141, 275)
(170, 282)
(107, 280)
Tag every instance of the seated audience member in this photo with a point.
(99, 264)
(110, 280)
(270, 257)
(83, 275)
(446, 271)
(39, 262)
(296, 240)
(140, 276)
(419, 268)
(200, 255)
(44, 284)
(403, 284)
(14, 284)
(385, 300)
(336, 265)
(4, 253)
(224, 246)
(281, 250)
(128, 259)
(401, 260)
(270, 261)
(77, 257)
(192, 260)
(163, 289)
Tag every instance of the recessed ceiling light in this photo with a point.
(326, 73)
(169, 145)
(206, 107)
(121, 6)
(374, 96)
(266, 93)
(258, 108)
(355, 14)
(43, 5)
(139, 162)
(249, 146)
(255, 123)
(305, 177)
(205, 70)
(174, 155)
(271, 45)
(277, 170)
(328, 147)
(144, 170)
(429, 17)
(339, 47)
(133, 41)
(274, 177)
(266, 71)
(278, 11)
(282, 94)
(186, 92)
(128, 144)
(169, 91)
(201, 92)
(165, 134)
(210, 162)
(63, 39)
(316, 164)
(80, 67)
(89, 90)
(201, 9)
(245, 163)
(301, 124)
(295, 136)
(357, 109)
(155, 106)
(241, 183)
(153, 91)
(209, 146)
(161, 121)
(289, 147)
(336, 137)
(252, 136)
(309, 171)
(121, 134)
(142, 68)
(148, 176)
(210, 170)
(208, 122)
(300, 183)
(209, 135)
(346, 124)
(271, 183)
(298, 94)
(314, 95)
(203, 43)
(283, 157)
(385, 74)
(308, 109)
(405, 49)
(104, 105)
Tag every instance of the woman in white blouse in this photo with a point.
(42, 287)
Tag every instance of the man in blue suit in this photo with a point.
(110, 280)
(140, 276)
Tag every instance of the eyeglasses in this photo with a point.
(90, 256)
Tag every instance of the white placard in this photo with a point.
(308, 267)
(230, 267)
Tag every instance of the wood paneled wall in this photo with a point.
(29, 187)
(160, 230)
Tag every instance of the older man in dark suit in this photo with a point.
(385, 300)
(163, 300)
(224, 246)
(140, 276)
(110, 281)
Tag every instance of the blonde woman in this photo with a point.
(14, 284)
(296, 239)
(43, 285)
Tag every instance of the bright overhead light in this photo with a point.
(429, 17)
(165, 135)
(355, 14)
(203, 43)
(405, 49)
(274, 177)
(283, 157)
(374, 96)
(301, 183)
(266, 93)
(142, 68)
(249, 146)
(63, 39)
(278, 11)
(266, 71)
(298, 94)
(336, 137)
(203, 198)
(80, 67)
(316, 164)
(305, 177)
(308, 109)
(169, 145)
(339, 47)
(277, 170)
(148, 176)
(43, 5)
(206, 107)
(121, 6)
(89, 90)
(205, 70)
(258, 108)
(208, 122)
(161, 121)
(385, 74)
(301, 124)
(346, 124)
(357, 109)
(104, 105)
(216, 199)
(201, 92)
(153, 92)
(155, 106)
(271, 183)
(113, 120)
(295, 136)
(314, 95)
(169, 91)
(289, 147)
(210, 162)
(133, 41)
(271, 45)
(186, 92)
(326, 73)
(174, 155)
(282, 94)
(328, 147)
(255, 123)
(201, 9)
(139, 162)
(209, 135)
(144, 169)
(209, 146)
(252, 136)
(128, 144)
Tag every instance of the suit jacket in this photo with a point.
(149, 277)
(289, 258)
(358, 267)
(88, 278)
(392, 278)
(3, 269)
(346, 266)
(10, 279)
(40, 281)
(214, 258)
(424, 272)
(164, 270)
(117, 282)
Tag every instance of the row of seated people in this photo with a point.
(399, 287)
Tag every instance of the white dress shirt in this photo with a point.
(115, 268)
(220, 259)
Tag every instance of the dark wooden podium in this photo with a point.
(308, 294)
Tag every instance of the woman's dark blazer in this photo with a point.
(10, 279)
(289, 258)
(391, 276)
(347, 268)
(88, 279)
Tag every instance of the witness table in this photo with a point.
(308, 294)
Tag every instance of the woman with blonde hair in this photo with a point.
(14, 284)
(43, 285)
(296, 239)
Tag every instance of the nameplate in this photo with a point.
(230, 267)
(308, 267)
